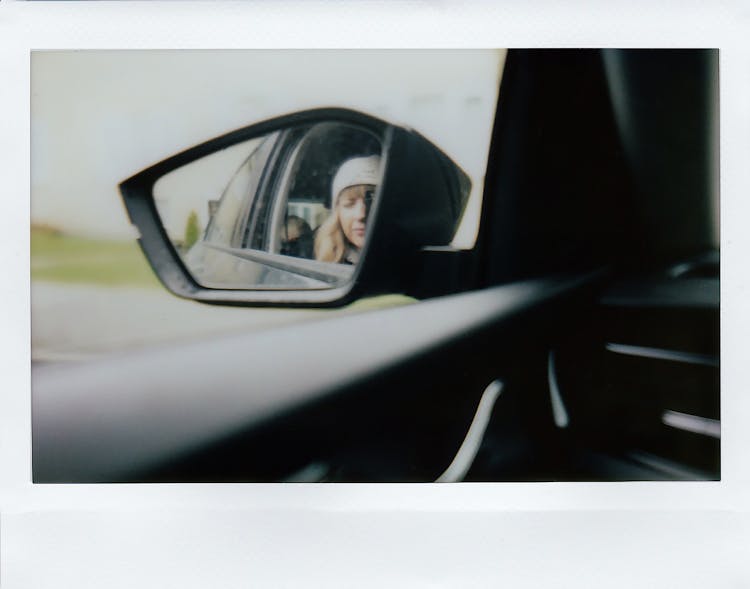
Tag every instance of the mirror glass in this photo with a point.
(285, 210)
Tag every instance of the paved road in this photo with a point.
(71, 322)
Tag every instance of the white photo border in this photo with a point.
(587, 534)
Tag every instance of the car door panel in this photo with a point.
(272, 403)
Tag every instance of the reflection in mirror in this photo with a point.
(286, 210)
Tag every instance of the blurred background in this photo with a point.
(98, 117)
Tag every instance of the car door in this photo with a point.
(510, 368)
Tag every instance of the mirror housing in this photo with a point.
(420, 201)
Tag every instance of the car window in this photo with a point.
(227, 224)
(204, 201)
(134, 108)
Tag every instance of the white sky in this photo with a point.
(97, 117)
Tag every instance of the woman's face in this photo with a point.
(353, 205)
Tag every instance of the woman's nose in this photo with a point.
(361, 209)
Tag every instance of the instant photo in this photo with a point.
(375, 266)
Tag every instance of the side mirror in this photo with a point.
(315, 208)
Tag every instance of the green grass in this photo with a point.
(65, 258)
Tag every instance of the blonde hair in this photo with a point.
(330, 242)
